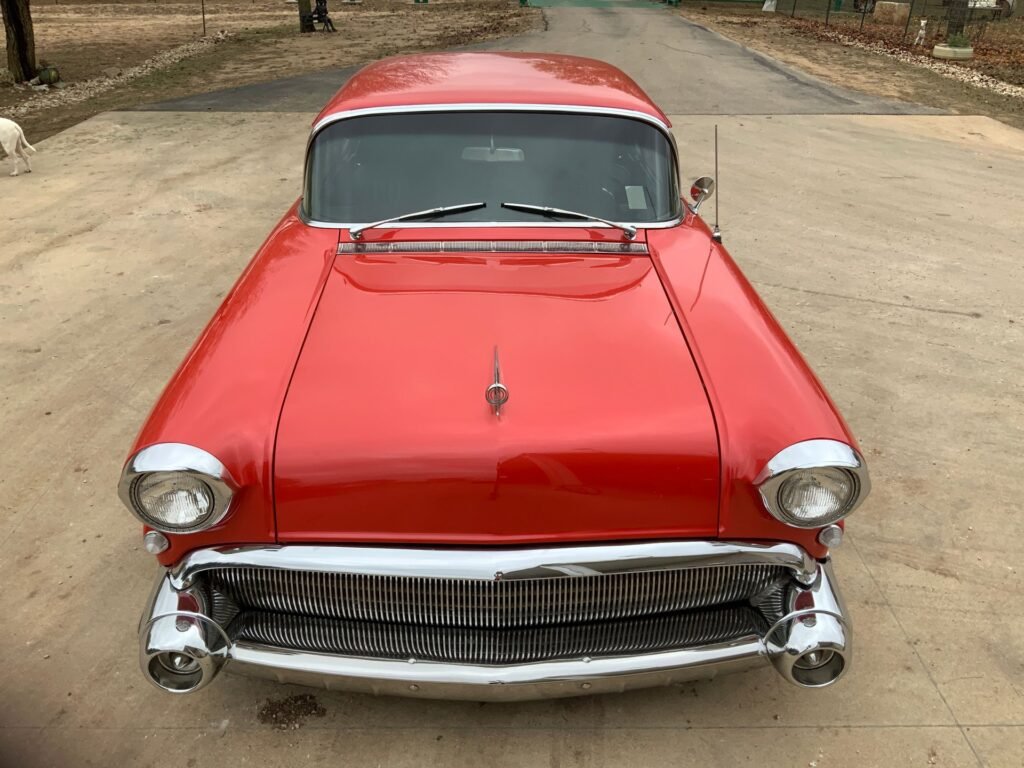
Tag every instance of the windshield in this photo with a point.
(369, 168)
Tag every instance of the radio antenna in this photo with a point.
(716, 233)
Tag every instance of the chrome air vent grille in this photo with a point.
(500, 646)
(495, 246)
(484, 603)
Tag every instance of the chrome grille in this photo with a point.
(500, 646)
(469, 603)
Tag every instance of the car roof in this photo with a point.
(490, 78)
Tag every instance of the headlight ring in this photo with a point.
(813, 483)
(176, 488)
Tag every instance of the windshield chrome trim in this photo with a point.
(540, 224)
(491, 107)
(487, 107)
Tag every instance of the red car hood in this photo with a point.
(386, 435)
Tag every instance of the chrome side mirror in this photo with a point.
(701, 190)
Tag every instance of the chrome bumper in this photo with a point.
(182, 648)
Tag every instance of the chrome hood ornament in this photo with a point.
(497, 393)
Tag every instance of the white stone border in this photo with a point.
(961, 73)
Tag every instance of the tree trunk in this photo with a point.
(21, 44)
(306, 16)
(957, 16)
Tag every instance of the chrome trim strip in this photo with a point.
(186, 459)
(493, 246)
(491, 107)
(495, 564)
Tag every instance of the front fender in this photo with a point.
(227, 394)
(763, 394)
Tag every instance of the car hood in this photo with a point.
(385, 434)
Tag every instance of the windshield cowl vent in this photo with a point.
(494, 246)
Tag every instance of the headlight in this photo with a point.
(814, 483)
(173, 499)
(813, 497)
(176, 488)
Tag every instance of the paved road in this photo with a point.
(686, 68)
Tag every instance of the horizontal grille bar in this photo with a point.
(494, 246)
(444, 602)
(500, 646)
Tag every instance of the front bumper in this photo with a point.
(183, 648)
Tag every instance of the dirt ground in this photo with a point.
(88, 41)
(798, 42)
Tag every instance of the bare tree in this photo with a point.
(305, 17)
(21, 43)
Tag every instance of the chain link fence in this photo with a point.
(941, 18)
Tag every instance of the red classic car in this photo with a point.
(493, 414)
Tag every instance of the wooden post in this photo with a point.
(202, 4)
(21, 43)
(828, 10)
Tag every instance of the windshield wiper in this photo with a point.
(444, 210)
(545, 210)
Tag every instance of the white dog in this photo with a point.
(13, 140)
(921, 33)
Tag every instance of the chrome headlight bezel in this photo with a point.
(178, 459)
(812, 455)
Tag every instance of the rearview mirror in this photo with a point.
(493, 155)
(701, 190)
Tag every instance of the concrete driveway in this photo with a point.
(889, 246)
